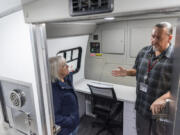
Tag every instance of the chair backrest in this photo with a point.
(103, 100)
(103, 92)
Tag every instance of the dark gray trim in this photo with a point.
(55, 30)
(176, 83)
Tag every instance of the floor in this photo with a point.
(85, 128)
(5, 130)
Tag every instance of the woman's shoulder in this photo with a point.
(56, 88)
(54, 84)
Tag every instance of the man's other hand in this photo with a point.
(157, 106)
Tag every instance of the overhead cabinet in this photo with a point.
(113, 38)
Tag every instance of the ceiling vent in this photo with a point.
(88, 7)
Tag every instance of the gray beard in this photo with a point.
(155, 49)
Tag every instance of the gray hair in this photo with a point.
(55, 65)
(165, 25)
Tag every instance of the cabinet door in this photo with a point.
(139, 35)
(113, 37)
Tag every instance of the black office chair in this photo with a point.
(105, 107)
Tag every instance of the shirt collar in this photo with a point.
(168, 52)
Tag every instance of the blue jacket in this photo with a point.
(65, 105)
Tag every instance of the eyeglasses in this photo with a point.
(159, 37)
(65, 65)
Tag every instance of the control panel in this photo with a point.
(94, 47)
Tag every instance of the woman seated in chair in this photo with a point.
(64, 98)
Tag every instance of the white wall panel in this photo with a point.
(16, 58)
(15, 49)
(55, 45)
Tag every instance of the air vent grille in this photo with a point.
(87, 7)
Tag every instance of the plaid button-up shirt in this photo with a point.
(159, 77)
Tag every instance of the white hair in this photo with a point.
(55, 65)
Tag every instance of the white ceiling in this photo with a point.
(6, 5)
(9, 6)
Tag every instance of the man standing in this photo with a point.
(153, 69)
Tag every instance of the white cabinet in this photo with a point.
(129, 119)
(113, 38)
(139, 35)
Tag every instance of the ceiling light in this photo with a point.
(109, 18)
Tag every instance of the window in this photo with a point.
(73, 58)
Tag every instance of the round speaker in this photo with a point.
(17, 98)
